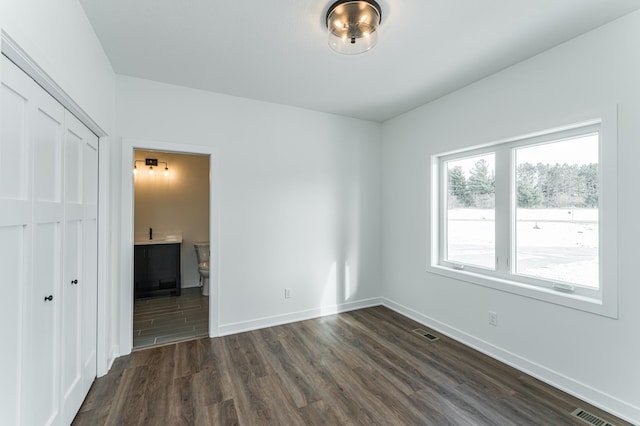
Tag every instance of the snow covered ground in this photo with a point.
(557, 244)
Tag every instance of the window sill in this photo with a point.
(604, 306)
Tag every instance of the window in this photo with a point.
(528, 216)
(556, 214)
(471, 210)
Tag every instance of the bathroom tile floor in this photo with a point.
(170, 319)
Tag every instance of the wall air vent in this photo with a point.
(589, 418)
(430, 337)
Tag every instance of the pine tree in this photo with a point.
(527, 186)
(481, 185)
(458, 186)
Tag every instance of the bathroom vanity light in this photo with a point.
(151, 162)
(353, 25)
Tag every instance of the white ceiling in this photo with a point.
(276, 50)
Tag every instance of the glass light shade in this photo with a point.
(353, 26)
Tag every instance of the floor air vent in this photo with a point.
(589, 418)
(430, 337)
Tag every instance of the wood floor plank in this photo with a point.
(184, 402)
(408, 373)
(288, 365)
(223, 413)
(279, 401)
(213, 361)
(357, 368)
(321, 413)
(125, 408)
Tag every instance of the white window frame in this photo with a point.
(604, 300)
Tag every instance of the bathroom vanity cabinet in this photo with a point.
(157, 269)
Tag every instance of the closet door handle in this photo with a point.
(49, 298)
(74, 282)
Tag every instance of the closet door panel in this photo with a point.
(41, 369)
(80, 279)
(14, 96)
(47, 129)
(13, 247)
(40, 391)
(90, 177)
(73, 150)
(71, 321)
(15, 230)
(15, 93)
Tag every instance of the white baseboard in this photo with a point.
(191, 286)
(622, 409)
(240, 327)
(113, 354)
(190, 283)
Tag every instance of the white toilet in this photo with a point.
(202, 252)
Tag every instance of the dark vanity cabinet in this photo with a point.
(156, 270)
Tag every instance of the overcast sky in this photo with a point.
(583, 150)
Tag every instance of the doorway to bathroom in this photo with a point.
(171, 199)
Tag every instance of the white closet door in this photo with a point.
(79, 285)
(16, 101)
(72, 281)
(40, 383)
(48, 254)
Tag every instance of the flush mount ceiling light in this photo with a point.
(353, 25)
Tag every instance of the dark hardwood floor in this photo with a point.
(361, 367)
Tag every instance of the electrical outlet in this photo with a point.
(287, 293)
(493, 318)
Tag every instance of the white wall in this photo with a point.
(58, 37)
(175, 203)
(298, 197)
(299, 191)
(592, 356)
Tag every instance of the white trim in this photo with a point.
(609, 403)
(104, 302)
(240, 327)
(193, 283)
(519, 288)
(113, 354)
(484, 147)
(125, 332)
(22, 59)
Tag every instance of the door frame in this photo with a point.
(127, 238)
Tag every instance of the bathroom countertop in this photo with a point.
(166, 239)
